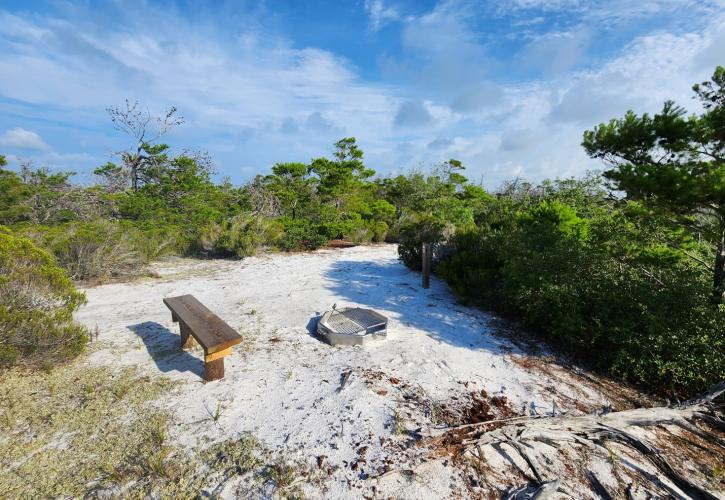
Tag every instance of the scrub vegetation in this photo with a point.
(81, 431)
(624, 270)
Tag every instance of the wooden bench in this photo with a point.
(196, 322)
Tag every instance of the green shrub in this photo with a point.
(209, 237)
(241, 236)
(604, 287)
(378, 230)
(417, 231)
(37, 301)
(359, 235)
(96, 250)
(300, 234)
(154, 243)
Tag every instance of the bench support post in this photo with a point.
(187, 339)
(214, 364)
(214, 370)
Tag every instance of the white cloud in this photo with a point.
(413, 114)
(258, 87)
(440, 143)
(554, 53)
(445, 52)
(534, 128)
(475, 98)
(379, 14)
(19, 138)
(651, 69)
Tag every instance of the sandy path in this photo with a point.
(284, 385)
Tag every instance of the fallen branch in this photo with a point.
(594, 431)
(439, 431)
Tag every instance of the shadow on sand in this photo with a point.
(163, 346)
(396, 291)
(312, 326)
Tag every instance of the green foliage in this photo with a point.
(13, 192)
(39, 197)
(434, 208)
(339, 179)
(97, 250)
(608, 281)
(676, 163)
(240, 236)
(293, 187)
(37, 301)
(328, 199)
(300, 235)
(554, 221)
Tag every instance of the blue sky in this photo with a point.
(505, 86)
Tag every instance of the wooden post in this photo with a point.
(426, 258)
(214, 365)
(187, 339)
(214, 370)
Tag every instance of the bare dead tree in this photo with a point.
(264, 202)
(144, 129)
(202, 159)
(54, 198)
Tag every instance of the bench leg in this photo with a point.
(214, 370)
(187, 340)
(214, 364)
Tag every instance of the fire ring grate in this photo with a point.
(352, 326)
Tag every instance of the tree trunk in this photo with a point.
(135, 165)
(134, 175)
(718, 289)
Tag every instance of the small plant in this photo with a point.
(360, 235)
(217, 413)
(234, 456)
(399, 428)
(717, 474)
(157, 431)
(286, 476)
(613, 457)
(156, 462)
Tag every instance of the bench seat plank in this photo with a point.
(212, 333)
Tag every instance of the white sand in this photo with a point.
(282, 385)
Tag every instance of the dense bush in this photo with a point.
(37, 301)
(434, 208)
(97, 250)
(595, 277)
(240, 236)
(300, 234)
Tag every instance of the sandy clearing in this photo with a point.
(284, 385)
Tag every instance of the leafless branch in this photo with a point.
(138, 123)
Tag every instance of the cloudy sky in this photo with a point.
(506, 86)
